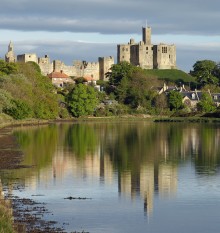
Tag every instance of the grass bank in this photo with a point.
(173, 75)
(6, 220)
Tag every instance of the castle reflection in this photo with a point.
(142, 157)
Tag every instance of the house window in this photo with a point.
(215, 97)
(193, 96)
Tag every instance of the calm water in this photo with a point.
(140, 176)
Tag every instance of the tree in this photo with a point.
(82, 100)
(205, 72)
(206, 103)
(19, 110)
(175, 100)
(7, 68)
(120, 71)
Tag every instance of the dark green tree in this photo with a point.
(205, 72)
(82, 100)
(175, 100)
(120, 71)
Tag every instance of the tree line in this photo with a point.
(25, 93)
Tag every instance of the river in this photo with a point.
(122, 176)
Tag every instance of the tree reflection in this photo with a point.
(207, 158)
(38, 144)
(81, 139)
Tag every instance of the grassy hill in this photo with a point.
(172, 75)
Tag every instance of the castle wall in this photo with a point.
(45, 65)
(95, 70)
(69, 70)
(91, 70)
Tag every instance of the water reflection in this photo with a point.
(142, 157)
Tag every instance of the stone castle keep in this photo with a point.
(146, 55)
(143, 54)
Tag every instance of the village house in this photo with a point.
(89, 80)
(190, 98)
(60, 79)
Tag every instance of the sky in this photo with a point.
(70, 30)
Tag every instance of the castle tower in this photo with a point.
(105, 63)
(146, 33)
(10, 56)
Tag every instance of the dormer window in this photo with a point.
(193, 96)
(215, 97)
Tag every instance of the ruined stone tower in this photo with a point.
(10, 56)
(147, 55)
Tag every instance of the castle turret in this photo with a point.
(146, 33)
(10, 47)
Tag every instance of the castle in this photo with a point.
(143, 54)
(146, 55)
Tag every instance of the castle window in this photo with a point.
(146, 48)
(123, 49)
(164, 49)
(126, 49)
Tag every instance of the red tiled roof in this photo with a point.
(88, 78)
(57, 75)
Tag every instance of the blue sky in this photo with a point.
(87, 29)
